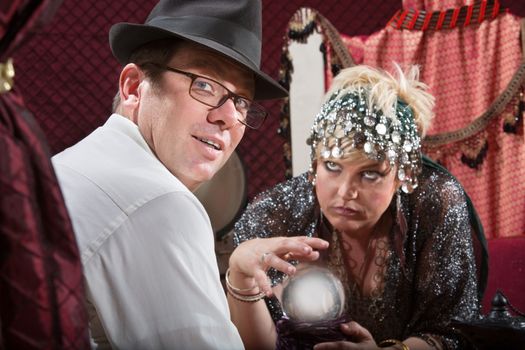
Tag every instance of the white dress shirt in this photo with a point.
(146, 244)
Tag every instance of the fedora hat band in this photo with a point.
(225, 33)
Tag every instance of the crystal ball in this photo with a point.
(313, 294)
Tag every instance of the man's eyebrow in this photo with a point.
(205, 64)
(218, 70)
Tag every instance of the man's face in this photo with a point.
(191, 139)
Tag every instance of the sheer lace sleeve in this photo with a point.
(443, 261)
(284, 210)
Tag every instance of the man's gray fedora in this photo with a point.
(232, 28)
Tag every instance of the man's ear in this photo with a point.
(130, 78)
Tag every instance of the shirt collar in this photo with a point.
(122, 124)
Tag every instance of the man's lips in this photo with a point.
(210, 142)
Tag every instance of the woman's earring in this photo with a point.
(312, 176)
(400, 218)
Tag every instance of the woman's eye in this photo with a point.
(331, 166)
(371, 175)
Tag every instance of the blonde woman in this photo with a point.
(398, 228)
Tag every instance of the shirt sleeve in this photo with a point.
(445, 273)
(154, 283)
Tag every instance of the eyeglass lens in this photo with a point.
(214, 94)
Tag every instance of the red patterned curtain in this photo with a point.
(67, 70)
(470, 55)
(41, 286)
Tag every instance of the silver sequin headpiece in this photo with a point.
(392, 136)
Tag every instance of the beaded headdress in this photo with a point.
(381, 136)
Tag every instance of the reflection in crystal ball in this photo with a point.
(313, 294)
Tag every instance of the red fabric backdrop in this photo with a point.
(69, 77)
(41, 284)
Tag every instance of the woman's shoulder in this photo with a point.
(295, 190)
(437, 184)
(438, 208)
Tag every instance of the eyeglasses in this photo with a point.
(213, 94)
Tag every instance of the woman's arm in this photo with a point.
(277, 221)
(253, 321)
(445, 276)
(360, 338)
(246, 277)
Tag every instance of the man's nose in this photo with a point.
(225, 115)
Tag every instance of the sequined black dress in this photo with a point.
(430, 279)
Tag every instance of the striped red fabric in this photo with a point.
(476, 13)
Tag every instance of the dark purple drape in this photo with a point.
(41, 284)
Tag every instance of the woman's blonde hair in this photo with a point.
(381, 115)
(385, 89)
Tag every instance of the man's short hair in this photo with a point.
(159, 52)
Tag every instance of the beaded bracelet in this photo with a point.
(246, 298)
(251, 298)
(389, 342)
(430, 340)
(236, 292)
(232, 287)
